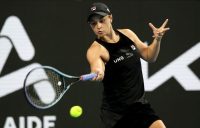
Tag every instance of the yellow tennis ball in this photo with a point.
(76, 111)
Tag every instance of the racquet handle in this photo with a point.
(88, 76)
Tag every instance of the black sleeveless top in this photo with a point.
(123, 80)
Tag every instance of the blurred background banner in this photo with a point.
(55, 33)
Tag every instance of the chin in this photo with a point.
(100, 35)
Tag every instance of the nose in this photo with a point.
(99, 25)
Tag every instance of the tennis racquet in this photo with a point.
(44, 86)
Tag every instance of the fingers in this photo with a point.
(99, 77)
(164, 24)
(152, 26)
(161, 30)
(166, 29)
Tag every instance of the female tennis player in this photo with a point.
(115, 56)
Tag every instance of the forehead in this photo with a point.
(96, 18)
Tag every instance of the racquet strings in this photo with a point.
(44, 87)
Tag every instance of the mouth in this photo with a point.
(100, 32)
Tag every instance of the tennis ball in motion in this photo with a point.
(76, 111)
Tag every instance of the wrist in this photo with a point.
(158, 38)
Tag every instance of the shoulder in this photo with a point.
(129, 33)
(126, 31)
(96, 48)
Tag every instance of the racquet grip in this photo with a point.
(88, 76)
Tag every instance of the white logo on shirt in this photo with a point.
(133, 47)
(118, 59)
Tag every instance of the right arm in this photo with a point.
(96, 56)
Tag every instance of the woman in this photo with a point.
(115, 56)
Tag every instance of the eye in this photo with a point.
(93, 23)
(102, 20)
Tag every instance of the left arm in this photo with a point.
(148, 53)
(154, 47)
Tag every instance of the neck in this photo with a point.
(112, 37)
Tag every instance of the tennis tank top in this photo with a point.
(123, 80)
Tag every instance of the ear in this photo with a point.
(111, 18)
